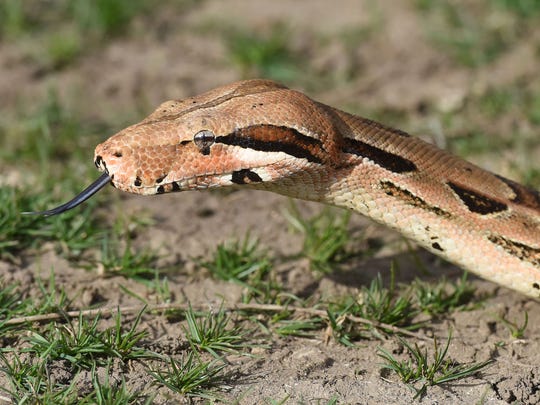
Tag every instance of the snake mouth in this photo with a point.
(84, 195)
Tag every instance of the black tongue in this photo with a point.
(84, 195)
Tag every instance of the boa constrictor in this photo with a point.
(262, 135)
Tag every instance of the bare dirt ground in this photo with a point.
(393, 68)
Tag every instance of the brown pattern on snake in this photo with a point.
(393, 190)
(271, 138)
(387, 160)
(245, 176)
(519, 250)
(477, 202)
(522, 195)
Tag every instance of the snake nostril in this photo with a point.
(117, 154)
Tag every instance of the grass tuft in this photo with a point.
(53, 297)
(11, 301)
(243, 262)
(444, 296)
(304, 328)
(72, 233)
(122, 259)
(84, 346)
(212, 332)
(237, 260)
(385, 304)
(326, 237)
(14, 304)
(30, 383)
(190, 376)
(105, 393)
(516, 331)
(419, 372)
(375, 303)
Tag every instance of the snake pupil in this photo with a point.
(203, 140)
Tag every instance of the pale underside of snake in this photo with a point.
(261, 135)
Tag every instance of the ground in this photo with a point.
(426, 67)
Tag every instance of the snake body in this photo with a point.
(262, 135)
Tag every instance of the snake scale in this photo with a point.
(262, 135)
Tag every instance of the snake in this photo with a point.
(262, 135)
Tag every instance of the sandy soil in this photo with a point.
(175, 55)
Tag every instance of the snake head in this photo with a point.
(243, 134)
(254, 133)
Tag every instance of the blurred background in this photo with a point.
(463, 74)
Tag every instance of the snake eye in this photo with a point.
(203, 140)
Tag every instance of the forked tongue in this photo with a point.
(79, 199)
